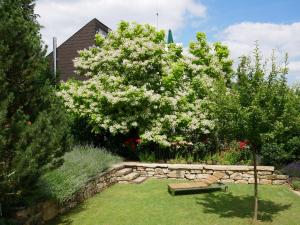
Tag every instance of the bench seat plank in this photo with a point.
(194, 186)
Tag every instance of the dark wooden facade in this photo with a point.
(67, 51)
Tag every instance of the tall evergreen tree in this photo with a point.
(34, 131)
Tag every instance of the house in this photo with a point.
(67, 51)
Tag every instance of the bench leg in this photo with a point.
(172, 192)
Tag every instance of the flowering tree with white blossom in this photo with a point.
(139, 82)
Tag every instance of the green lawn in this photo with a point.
(150, 204)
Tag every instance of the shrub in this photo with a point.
(273, 153)
(232, 157)
(4, 221)
(295, 185)
(292, 169)
(147, 156)
(79, 166)
(232, 154)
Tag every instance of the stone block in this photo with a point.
(123, 182)
(229, 172)
(219, 174)
(79, 196)
(279, 182)
(112, 180)
(236, 176)
(282, 177)
(208, 171)
(139, 168)
(186, 166)
(241, 182)
(269, 177)
(196, 171)
(143, 173)
(100, 186)
(160, 176)
(251, 180)
(123, 172)
(264, 172)
(190, 176)
(176, 174)
(246, 175)
(49, 210)
(226, 176)
(227, 167)
(226, 181)
(146, 165)
(202, 176)
(165, 171)
(265, 181)
(159, 171)
(263, 168)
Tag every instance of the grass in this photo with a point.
(150, 204)
(79, 166)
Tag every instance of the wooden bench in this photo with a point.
(195, 186)
(210, 183)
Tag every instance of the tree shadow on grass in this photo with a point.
(226, 205)
(65, 218)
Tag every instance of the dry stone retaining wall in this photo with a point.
(132, 172)
(232, 174)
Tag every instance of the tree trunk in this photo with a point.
(255, 187)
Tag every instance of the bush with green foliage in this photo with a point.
(292, 169)
(230, 154)
(81, 164)
(296, 185)
(34, 130)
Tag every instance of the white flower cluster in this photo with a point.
(137, 81)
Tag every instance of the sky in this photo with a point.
(275, 24)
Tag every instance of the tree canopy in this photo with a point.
(139, 82)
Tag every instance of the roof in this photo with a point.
(94, 22)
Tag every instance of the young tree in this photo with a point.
(34, 130)
(269, 110)
(261, 108)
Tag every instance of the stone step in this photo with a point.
(139, 180)
(131, 176)
(123, 172)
